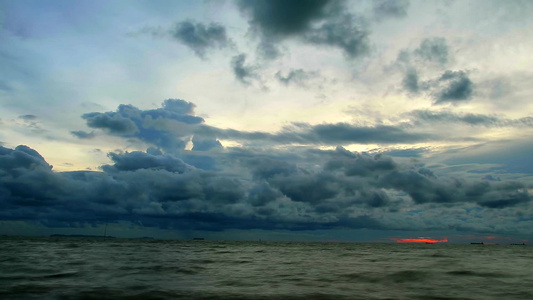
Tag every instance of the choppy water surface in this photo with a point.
(92, 268)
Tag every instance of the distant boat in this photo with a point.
(480, 243)
(198, 239)
(523, 244)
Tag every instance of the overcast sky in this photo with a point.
(305, 120)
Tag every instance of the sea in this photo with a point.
(113, 268)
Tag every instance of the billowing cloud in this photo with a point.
(163, 191)
(149, 125)
(199, 37)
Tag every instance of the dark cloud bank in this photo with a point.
(213, 188)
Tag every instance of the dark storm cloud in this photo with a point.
(163, 191)
(355, 164)
(390, 8)
(318, 22)
(199, 37)
(283, 18)
(244, 73)
(131, 161)
(456, 87)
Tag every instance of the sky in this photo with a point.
(320, 120)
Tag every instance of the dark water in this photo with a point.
(92, 268)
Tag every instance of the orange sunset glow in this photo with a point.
(420, 239)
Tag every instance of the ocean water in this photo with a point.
(97, 268)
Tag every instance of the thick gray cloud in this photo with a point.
(131, 161)
(162, 191)
(112, 122)
(283, 18)
(319, 22)
(384, 9)
(199, 37)
(457, 87)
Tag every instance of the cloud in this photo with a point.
(112, 122)
(319, 22)
(199, 37)
(433, 50)
(174, 124)
(322, 134)
(131, 161)
(452, 87)
(161, 190)
(243, 73)
(430, 50)
(343, 133)
(384, 9)
(28, 118)
(346, 32)
(411, 81)
(280, 18)
(456, 87)
(152, 125)
(205, 144)
(83, 134)
(296, 76)
(428, 116)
